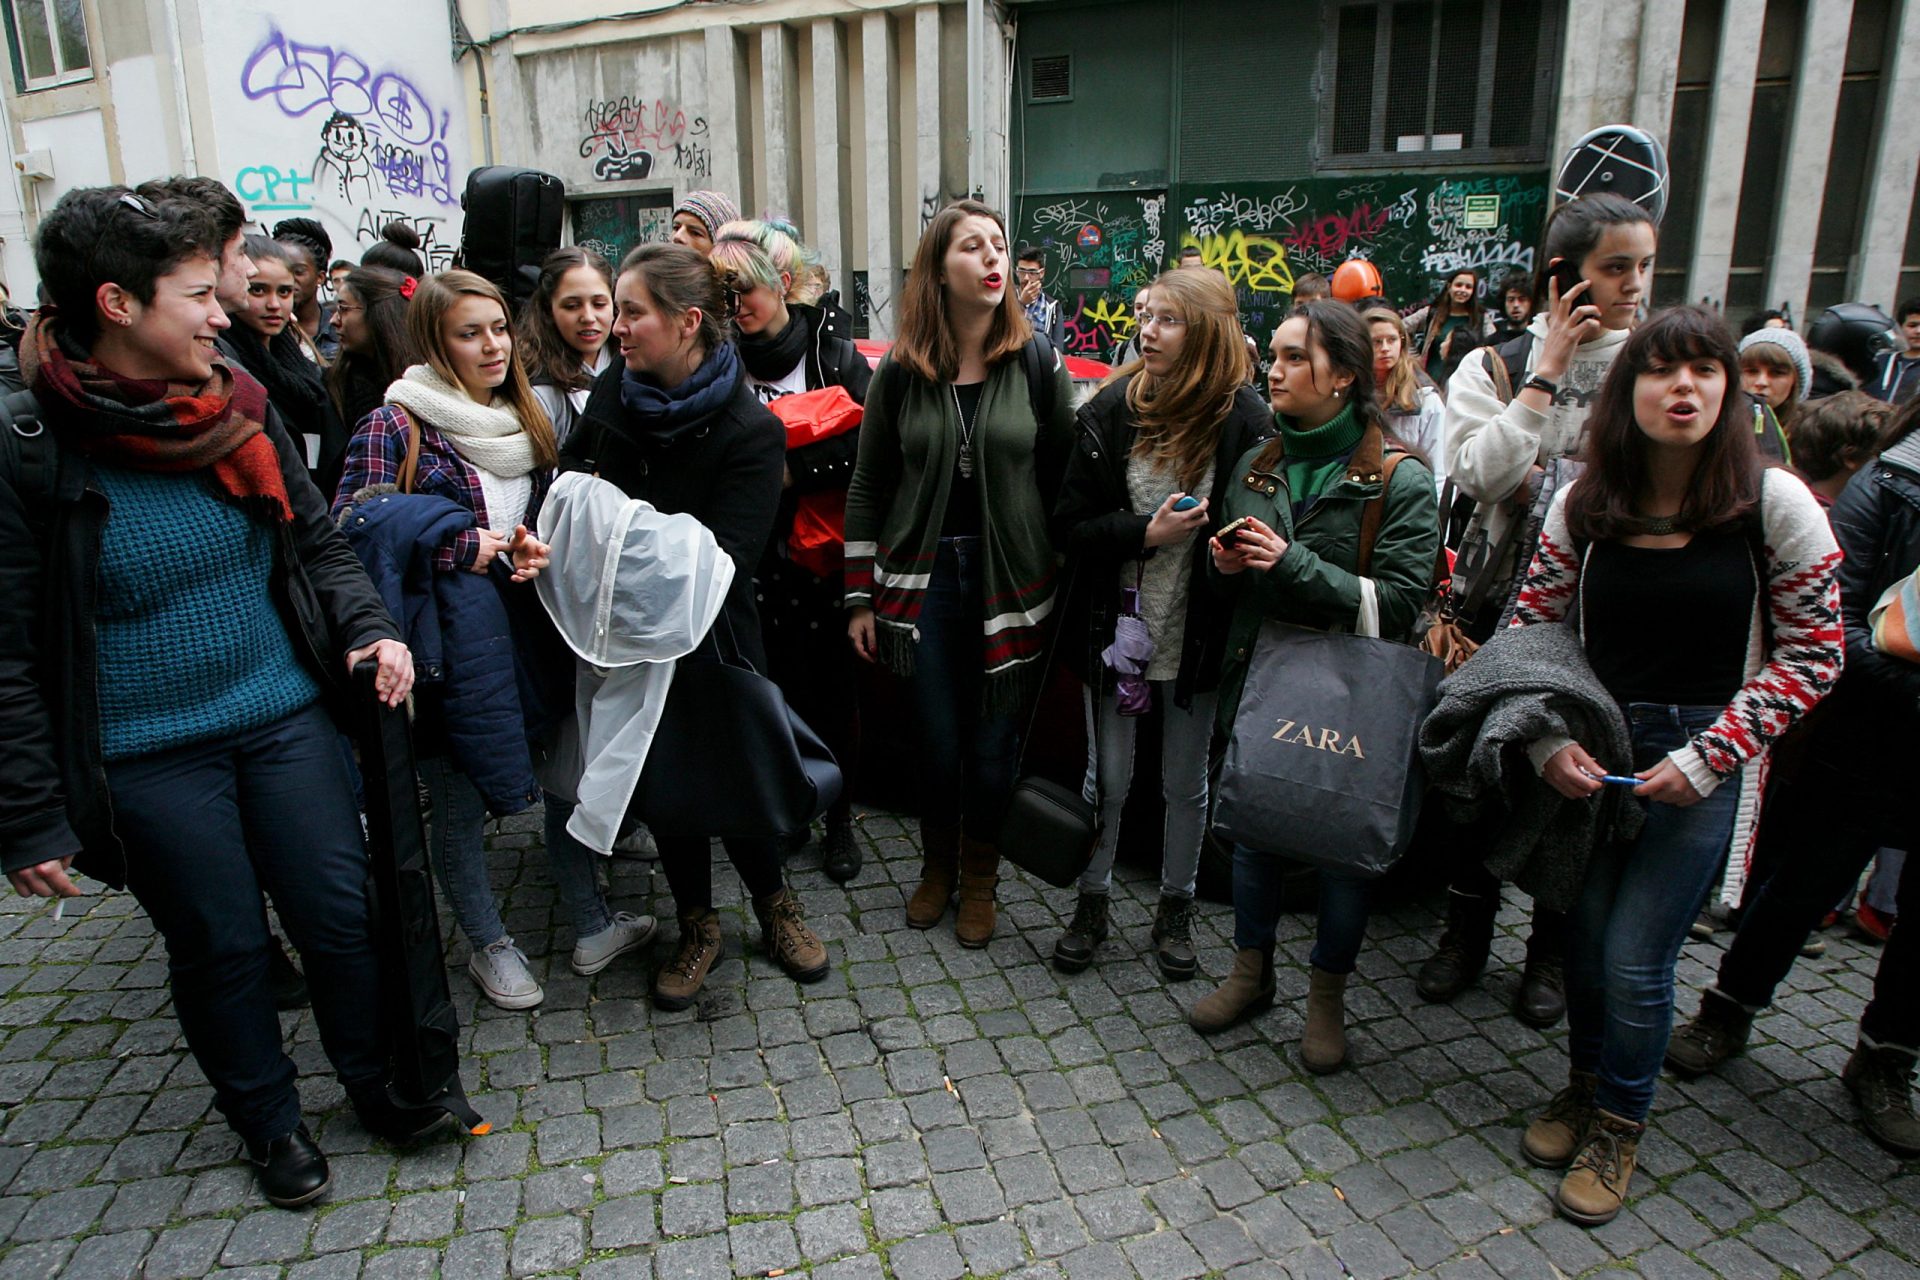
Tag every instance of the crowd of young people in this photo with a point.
(211, 470)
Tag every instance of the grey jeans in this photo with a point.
(1185, 736)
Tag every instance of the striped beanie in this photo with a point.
(710, 207)
(1793, 344)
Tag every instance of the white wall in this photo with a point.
(277, 73)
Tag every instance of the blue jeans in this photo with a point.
(1626, 930)
(454, 844)
(207, 828)
(1342, 923)
(571, 864)
(967, 757)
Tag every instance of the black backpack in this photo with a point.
(513, 223)
(29, 459)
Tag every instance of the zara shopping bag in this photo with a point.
(1324, 763)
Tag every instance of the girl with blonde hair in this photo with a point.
(1415, 414)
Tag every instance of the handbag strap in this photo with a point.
(1372, 514)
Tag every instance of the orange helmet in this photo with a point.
(1356, 278)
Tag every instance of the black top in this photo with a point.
(962, 518)
(1670, 625)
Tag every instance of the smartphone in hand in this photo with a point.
(1229, 535)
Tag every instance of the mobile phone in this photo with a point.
(1616, 779)
(1187, 503)
(1230, 533)
(1567, 275)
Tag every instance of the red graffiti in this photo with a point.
(625, 125)
(1330, 234)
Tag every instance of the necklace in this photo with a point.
(1657, 526)
(966, 433)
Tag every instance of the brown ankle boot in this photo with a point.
(939, 868)
(1596, 1186)
(1324, 1046)
(979, 873)
(1247, 991)
(784, 933)
(682, 976)
(1556, 1133)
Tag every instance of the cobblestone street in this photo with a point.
(926, 1112)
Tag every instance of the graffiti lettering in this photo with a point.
(269, 188)
(1118, 319)
(1257, 264)
(1213, 216)
(1065, 212)
(438, 254)
(297, 78)
(1155, 249)
(625, 134)
(1479, 257)
(1331, 234)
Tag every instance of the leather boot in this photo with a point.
(1074, 949)
(1716, 1033)
(1556, 1133)
(979, 873)
(1541, 998)
(1880, 1078)
(939, 868)
(1248, 990)
(1462, 953)
(1596, 1185)
(1173, 937)
(1324, 1046)
(682, 976)
(784, 933)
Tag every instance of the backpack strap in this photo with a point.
(1037, 357)
(35, 458)
(1507, 365)
(1373, 513)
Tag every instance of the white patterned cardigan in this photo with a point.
(1794, 651)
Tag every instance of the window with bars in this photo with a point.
(1439, 82)
(49, 43)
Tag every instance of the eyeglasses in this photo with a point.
(1148, 318)
(1030, 273)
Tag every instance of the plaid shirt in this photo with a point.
(375, 455)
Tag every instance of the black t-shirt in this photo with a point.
(1671, 625)
(962, 517)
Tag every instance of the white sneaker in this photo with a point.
(501, 973)
(628, 932)
(639, 844)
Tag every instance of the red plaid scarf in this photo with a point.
(218, 426)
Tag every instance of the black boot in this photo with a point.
(1880, 1078)
(1173, 937)
(291, 1170)
(840, 852)
(289, 987)
(1716, 1033)
(1462, 953)
(1541, 999)
(1074, 951)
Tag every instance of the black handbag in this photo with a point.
(731, 758)
(1050, 830)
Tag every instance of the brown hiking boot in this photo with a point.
(682, 976)
(1556, 1133)
(979, 873)
(939, 868)
(1324, 1046)
(1596, 1185)
(1880, 1078)
(1716, 1033)
(1248, 990)
(784, 933)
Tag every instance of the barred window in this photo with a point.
(48, 40)
(1439, 82)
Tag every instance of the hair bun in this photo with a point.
(401, 234)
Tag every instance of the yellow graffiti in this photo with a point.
(1118, 318)
(1255, 263)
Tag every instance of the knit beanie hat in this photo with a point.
(710, 207)
(1795, 347)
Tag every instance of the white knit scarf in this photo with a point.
(486, 435)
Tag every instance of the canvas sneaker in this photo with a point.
(595, 952)
(501, 973)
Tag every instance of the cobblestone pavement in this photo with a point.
(926, 1112)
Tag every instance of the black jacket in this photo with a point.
(53, 786)
(1095, 525)
(723, 471)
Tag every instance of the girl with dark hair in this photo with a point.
(181, 617)
(398, 249)
(375, 351)
(677, 426)
(950, 574)
(1297, 560)
(566, 332)
(787, 347)
(1453, 324)
(1673, 529)
(263, 335)
(1166, 426)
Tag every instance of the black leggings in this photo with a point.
(688, 862)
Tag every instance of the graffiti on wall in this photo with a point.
(1099, 251)
(627, 138)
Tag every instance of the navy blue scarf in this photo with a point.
(664, 413)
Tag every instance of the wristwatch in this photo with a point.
(1542, 384)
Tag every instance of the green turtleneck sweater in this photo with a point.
(1316, 458)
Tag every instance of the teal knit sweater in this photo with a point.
(191, 647)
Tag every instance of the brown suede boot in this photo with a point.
(682, 976)
(1556, 1133)
(1596, 1186)
(784, 933)
(979, 873)
(1324, 1046)
(939, 868)
(1248, 990)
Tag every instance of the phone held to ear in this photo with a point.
(1566, 275)
(1229, 535)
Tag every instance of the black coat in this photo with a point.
(1095, 525)
(724, 471)
(53, 786)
